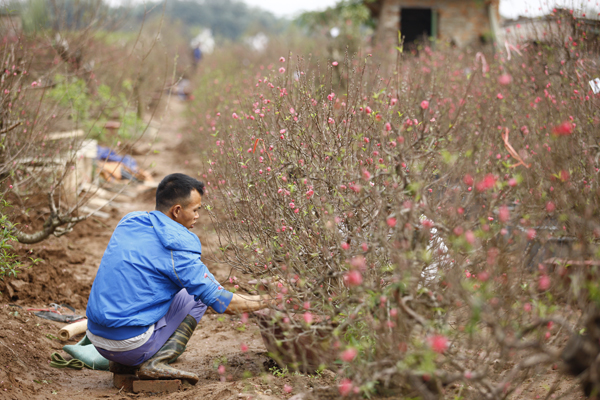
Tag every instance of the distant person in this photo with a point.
(184, 88)
(197, 53)
(152, 289)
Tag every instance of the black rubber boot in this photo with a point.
(158, 366)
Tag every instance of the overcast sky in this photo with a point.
(508, 8)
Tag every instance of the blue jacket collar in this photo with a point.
(173, 235)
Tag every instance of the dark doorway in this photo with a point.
(415, 23)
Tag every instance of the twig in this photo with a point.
(410, 312)
(10, 128)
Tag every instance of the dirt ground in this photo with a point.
(65, 274)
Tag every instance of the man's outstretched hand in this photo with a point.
(242, 303)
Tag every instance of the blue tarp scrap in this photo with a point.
(106, 154)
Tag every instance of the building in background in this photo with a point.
(558, 26)
(462, 22)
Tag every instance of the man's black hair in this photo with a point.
(176, 189)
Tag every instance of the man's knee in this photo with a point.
(198, 311)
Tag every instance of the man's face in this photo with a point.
(188, 213)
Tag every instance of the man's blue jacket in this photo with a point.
(148, 260)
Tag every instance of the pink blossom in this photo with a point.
(388, 126)
(483, 276)
(244, 347)
(424, 104)
(438, 343)
(34, 84)
(349, 354)
(393, 101)
(308, 317)
(331, 120)
(221, 369)
(366, 175)
(427, 223)
(281, 59)
(331, 96)
(503, 214)
(281, 70)
(470, 237)
(292, 205)
(359, 262)
(550, 207)
(368, 110)
(345, 246)
(335, 63)
(345, 387)
(356, 188)
(531, 234)
(512, 182)
(564, 129)
(391, 221)
(544, 282)
(487, 183)
(287, 388)
(527, 307)
(364, 246)
(353, 278)
(235, 116)
(468, 180)
(282, 131)
(505, 79)
(499, 95)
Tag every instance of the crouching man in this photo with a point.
(152, 289)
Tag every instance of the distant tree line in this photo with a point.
(60, 15)
(229, 19)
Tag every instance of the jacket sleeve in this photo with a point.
(189, 272)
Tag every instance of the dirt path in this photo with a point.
(65, 275)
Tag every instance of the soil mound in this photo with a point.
(58, 270)
(48, 281)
